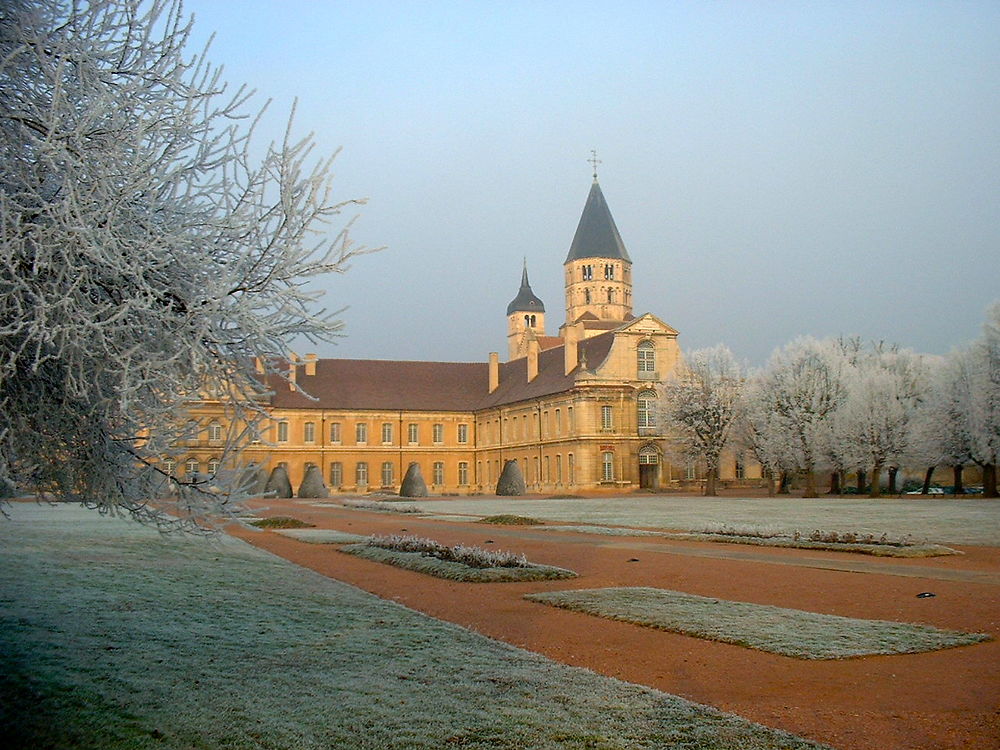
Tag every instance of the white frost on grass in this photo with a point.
(947, 521)
(789, 632)
(115, 637)
(420, 562)
(321, 536)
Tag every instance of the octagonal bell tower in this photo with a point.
(525, 314)
(598, 270)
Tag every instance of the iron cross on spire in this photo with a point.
(594, 161)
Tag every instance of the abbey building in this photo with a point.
(575, 408)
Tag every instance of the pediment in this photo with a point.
(648, 324)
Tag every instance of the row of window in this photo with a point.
(361, 433)
(192, 431)
(192, 467)
(389, 473)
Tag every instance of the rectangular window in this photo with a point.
(282, 432)
(387, 433)
(463, 433)
(437, 434)
(335, 432)
(414, 434)
(607, 422)
(361, 433)
(608, 466)
(463, 473)
(438, 476)
(689, 472)
(387, 474)
(569, 420)
(741, 471)
(559, 469)
(570, 469)
(309, 432)
(361, 474)
(215, 432)
(336, 474)
(546, 477)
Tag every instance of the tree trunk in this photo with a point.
(927, 480)
(810, 484)
(861, 481)
(769, 478)
(990, 480)
(959, 488)
(710, 476)
(835, 483)
(783, 483)
(876, 489)
(893, 472)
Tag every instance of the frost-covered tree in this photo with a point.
(700, 404)
(794, 397)
(985, 412)
(874, 425)
(146, 256)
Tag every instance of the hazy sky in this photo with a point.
(774, 168)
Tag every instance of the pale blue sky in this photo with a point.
(774, 168)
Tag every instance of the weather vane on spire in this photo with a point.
(594, 161)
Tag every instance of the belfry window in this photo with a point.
(587, 272)
(609, 271)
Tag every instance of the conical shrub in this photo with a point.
(413, 483)
(278, 484)
(312, 484)
(511, 480)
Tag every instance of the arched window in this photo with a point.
(213, 466)
(646, 360)
(191, 467)
(169, 466)
(646, 403)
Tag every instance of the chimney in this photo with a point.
(293, 361)
(310, 364)
(532, 358)
(570, 338)
(494, 371)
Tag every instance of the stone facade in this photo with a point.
(576, 411)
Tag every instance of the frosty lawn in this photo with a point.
(789, 632)
(114, 637)
(945, 521)
(420, 562)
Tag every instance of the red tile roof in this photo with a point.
(431, 386)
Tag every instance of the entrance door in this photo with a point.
(649, 468)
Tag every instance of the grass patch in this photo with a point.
(111, 637)
(323, 536)
(281, 522)
(789, 632)
(382, 506)
(454, 564)
(606, 530)
(831, 541)
(506, 519)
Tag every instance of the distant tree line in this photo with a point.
(837, 406)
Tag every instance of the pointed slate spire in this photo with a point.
(525, 301)
(596, 234)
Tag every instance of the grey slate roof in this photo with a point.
(525, 301)
(596, 234)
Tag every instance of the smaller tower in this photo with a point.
(525, 314)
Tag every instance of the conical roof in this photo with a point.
(596, 234)
(525, 301)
